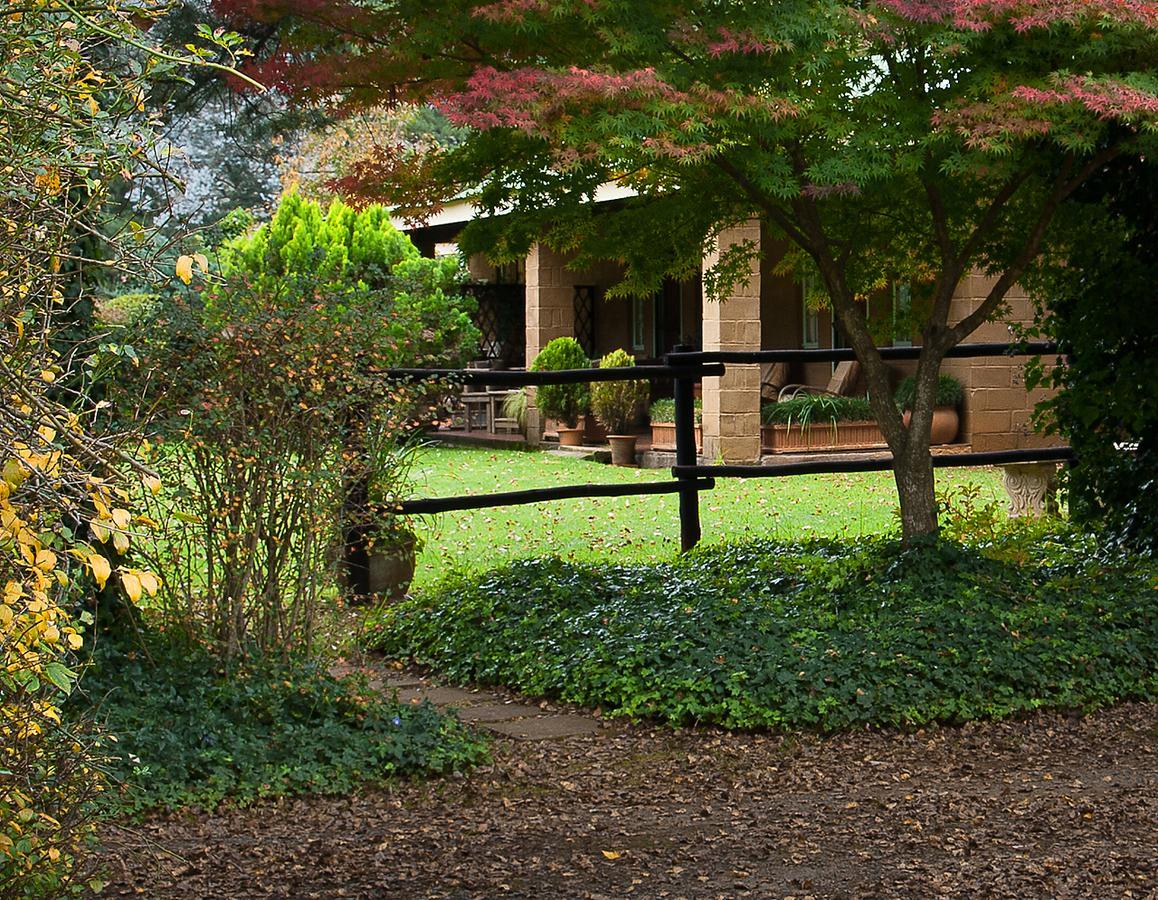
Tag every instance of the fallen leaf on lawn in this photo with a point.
(611, 854)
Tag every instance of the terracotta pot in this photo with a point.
(593, 431)
(945, 425)
(622, 449)
(392, 569)
(946, 422)
(570, 437)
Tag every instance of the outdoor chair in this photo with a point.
(842, 383)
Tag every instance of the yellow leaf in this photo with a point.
(132, 585)
(51, 634)
(153, 483)
(14, 473)
(122, 518)
(45, 560)
(120, 541)
(148, 582)
(611, 854)
(101, 570)
(185, 268)
(75, 642)
(202, 262)
(48, 375)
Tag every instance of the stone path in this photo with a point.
(502, 714)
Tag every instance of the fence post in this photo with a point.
(685, 432)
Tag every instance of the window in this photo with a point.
(902, 315)
(810, 338)
(638, 326)
(512, 272)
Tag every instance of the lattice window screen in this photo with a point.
(584, 306)
(502, 319)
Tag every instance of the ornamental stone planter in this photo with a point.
(663, 436)
(821, 436)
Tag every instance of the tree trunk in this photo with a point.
(913, 473)
(912, 461)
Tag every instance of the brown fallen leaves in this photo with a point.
(641, 811)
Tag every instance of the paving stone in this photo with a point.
(441, 696)
(545, 728)
(498, 712)
(397, 682)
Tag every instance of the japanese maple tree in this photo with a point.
(887, 140)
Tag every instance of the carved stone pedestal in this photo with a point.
(1032, 488)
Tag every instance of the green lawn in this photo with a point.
(638, 529)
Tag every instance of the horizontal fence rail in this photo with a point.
(557, 376)
(686, 367)
(877, 464)
(843, 354)
(537, 495)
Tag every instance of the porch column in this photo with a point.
(731, 419)
(550, 313)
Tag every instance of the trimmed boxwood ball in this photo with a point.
(617, 403)
(565, 402)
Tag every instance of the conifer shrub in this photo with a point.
(279, 432)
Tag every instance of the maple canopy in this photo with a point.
(895, 140)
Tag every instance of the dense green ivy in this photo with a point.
(823, 635)
(190, 733)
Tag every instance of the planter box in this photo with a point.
(821, 436)
(663, 436)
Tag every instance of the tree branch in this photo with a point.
(758, 197)
(1063, 187)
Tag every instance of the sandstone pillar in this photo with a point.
(550, 313)
(731, 418)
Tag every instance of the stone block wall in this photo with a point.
(997, 412)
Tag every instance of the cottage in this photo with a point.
(541, 299)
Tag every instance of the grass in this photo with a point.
(639, 529)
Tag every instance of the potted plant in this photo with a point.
(662, 416)
(391, 543)
(616, 404)
(565, 402)
(392, 555)
(819, 422)
(946, 401)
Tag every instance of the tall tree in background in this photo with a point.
(895, 140)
